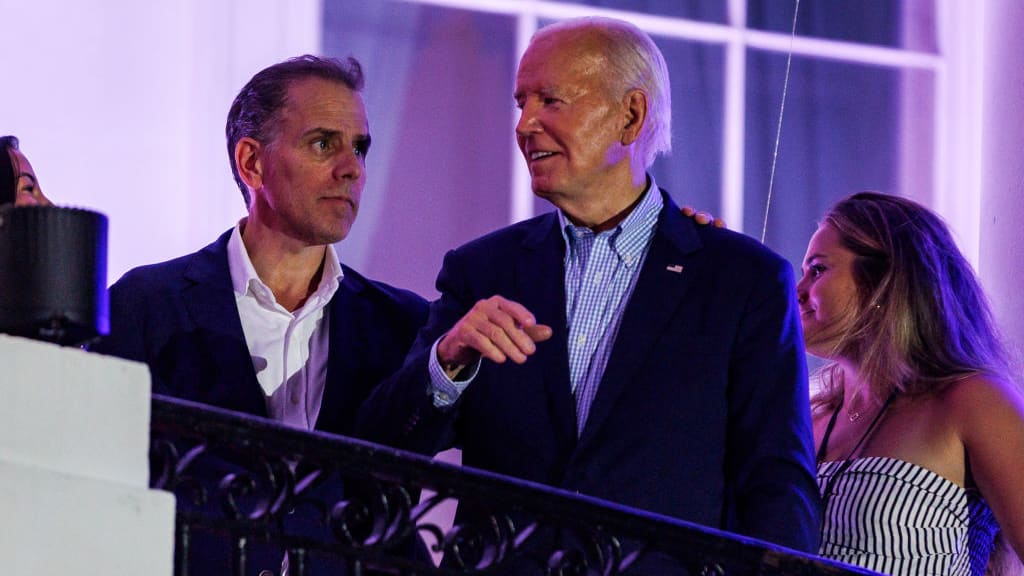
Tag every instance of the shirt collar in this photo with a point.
(245, 279)
(629, 238)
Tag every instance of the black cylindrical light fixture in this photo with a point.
(53, 273)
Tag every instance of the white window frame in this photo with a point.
(957, 92)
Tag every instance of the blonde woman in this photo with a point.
(918, 424)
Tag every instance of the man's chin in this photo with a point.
(542, 190)
(331, 236)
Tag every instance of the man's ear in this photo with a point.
(635, 102)
(249, 162)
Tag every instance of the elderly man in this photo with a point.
(614, 347)
(266, 320)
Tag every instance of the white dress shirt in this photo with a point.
(288, 349)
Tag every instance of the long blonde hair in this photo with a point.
(922, 319)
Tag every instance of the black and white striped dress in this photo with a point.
(895, 517)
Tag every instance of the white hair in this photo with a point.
(635, 63)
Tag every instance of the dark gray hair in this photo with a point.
(255, 111)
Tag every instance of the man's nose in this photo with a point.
(528, 122)
(350, 165)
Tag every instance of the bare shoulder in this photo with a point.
(988, 416)
(981, 397)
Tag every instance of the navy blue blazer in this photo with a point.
(180, 317)
(702, 413)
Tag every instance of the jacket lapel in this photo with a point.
(348, 318)
(540, 287)
(664, 280)
(209, 299)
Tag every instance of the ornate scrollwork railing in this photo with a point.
(249, 488)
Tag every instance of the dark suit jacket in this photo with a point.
(702, 413)
(180, 318)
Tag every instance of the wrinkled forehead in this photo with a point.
(571, 45)
(317, 100)
(564, 56)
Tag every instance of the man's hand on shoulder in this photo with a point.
(701, 217)
(497, 329)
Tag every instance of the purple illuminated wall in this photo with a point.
(120, 105)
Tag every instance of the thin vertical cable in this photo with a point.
(778, 129)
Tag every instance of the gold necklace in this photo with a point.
(854, 415)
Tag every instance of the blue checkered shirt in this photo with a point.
(600, 273)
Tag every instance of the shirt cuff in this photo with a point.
(443, 389)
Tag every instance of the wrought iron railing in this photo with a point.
(250, 487)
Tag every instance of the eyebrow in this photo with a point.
(319, 131)
(331, 133)
(29, 176)
(543, 91)
(815, 256)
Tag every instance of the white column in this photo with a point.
(74, 466)
(1001, 264)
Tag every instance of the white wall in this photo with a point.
(120, 107)
(74, 447)
(1002, 219)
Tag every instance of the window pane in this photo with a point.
(704, 10)
(897, 23)
(692, 173)
(439, 100)
(841, 134)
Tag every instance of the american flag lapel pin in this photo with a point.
(677, 268)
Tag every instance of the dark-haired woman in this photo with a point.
(18, 182)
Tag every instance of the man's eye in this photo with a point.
(817, 270)
(321, 144)
(361, 148)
